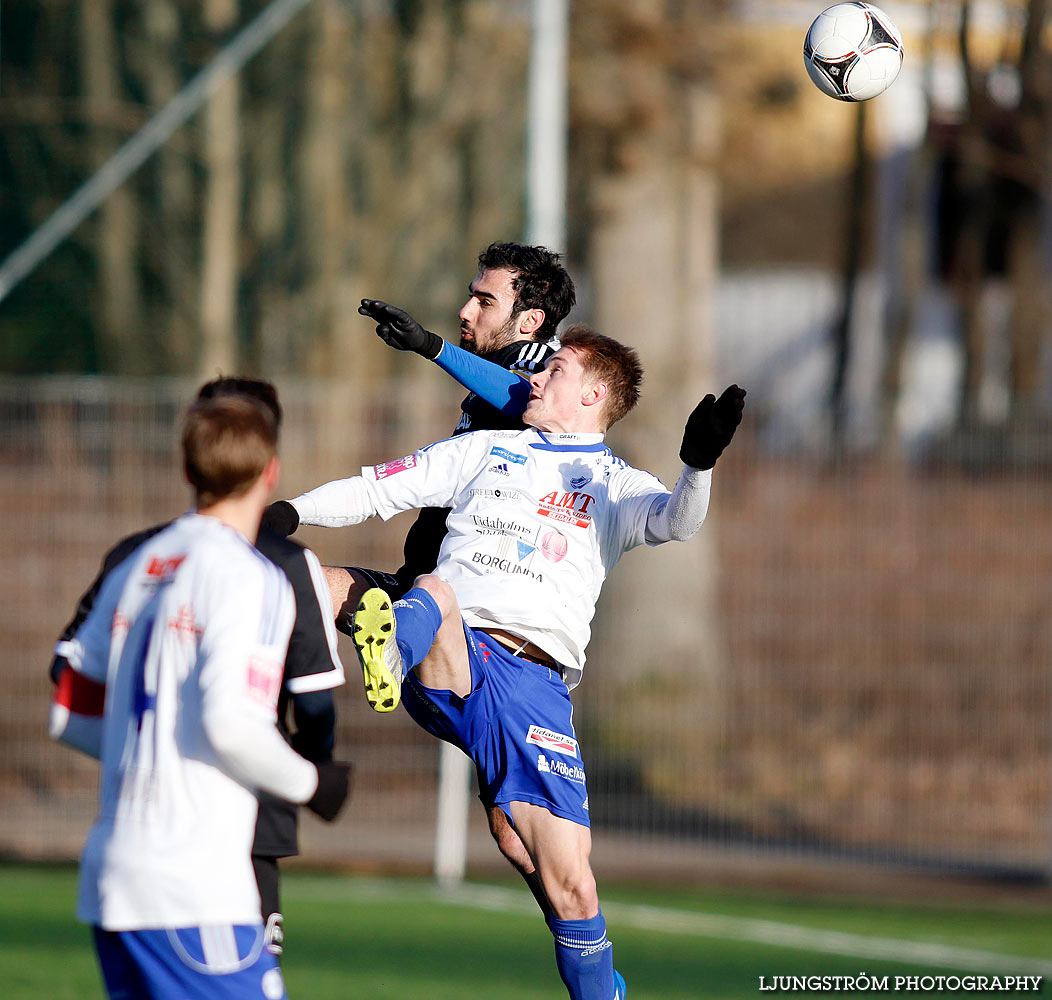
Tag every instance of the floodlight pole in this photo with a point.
(141, 146)
(546, 156)
(546, 125)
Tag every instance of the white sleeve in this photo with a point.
(257, 756)
(680, 515)
(244, 639)
(338, 504)
(428, 478)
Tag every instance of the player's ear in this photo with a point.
(594, 394)
(531, 320)
(272, 473)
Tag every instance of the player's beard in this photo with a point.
(506, 334)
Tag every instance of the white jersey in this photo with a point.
(189, 635)
(538, 521)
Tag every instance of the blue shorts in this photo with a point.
(516, 725)
(192, 963)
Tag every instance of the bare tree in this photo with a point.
(118, 304)
(221, 211)
(171, 249)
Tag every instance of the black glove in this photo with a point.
(281, 518)
(334, 785)
(397, 328)
(710, 428)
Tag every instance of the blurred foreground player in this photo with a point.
(312, 670)
(484, 651)
(174, 688)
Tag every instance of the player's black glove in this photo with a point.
(397, 328)
(710, 428)
(281, 518)
(334, 785)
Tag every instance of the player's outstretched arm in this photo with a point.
(502, 389)
(338, 504)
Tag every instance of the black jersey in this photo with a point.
(424, 539)
(312, 670)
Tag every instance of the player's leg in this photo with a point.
(346, 586)
(269, 885)
(423, 631)
(511, 846)
(445, 665)
(560, 849)
(119, 971)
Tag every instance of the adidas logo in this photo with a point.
(501, 469)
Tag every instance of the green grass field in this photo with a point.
(370, 939)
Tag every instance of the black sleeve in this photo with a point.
(110, 561)
(310, 659)
(314, 713)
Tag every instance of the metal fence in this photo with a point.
(866, 677)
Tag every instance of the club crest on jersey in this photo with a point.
(385, 469)
(553, 741)
(578, 475)
(509, 456)
(569, 508)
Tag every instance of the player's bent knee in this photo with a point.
(440, 591)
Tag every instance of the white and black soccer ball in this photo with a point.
(853, 51)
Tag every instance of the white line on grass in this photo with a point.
(672, 921)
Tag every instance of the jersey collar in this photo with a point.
(592, 441)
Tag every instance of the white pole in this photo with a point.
(546, 125)
(141, 146)
(451, 828)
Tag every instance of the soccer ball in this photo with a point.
(853, 51)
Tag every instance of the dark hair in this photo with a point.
(238, 385)
(539, 280)
(605, 360)
(227, 442)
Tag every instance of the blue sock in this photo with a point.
(417, 619)
(585, 957)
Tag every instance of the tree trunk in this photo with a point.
(222, 202)
(327, 227)
(655, 266)
(1027, 262)
(176, 337)
(118, 319)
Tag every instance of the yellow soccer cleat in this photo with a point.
(374, 640)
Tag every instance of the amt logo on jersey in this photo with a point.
(570, 508)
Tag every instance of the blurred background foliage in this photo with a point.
(373, 147)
